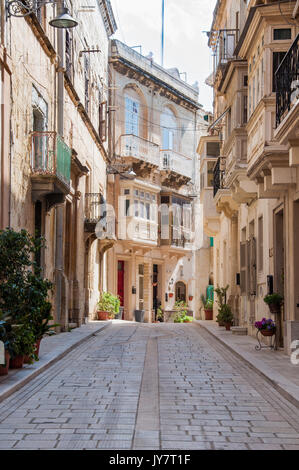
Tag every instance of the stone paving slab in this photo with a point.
(52, 349)
(275, 366)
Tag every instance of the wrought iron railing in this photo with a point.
(95, 207)
(218, 177)
(50, 156)
(225, 45)
(286, 82)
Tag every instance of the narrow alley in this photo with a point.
(142, 386)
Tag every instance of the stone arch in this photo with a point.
(131, 90)
(169, 128)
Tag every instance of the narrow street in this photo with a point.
(139, 386)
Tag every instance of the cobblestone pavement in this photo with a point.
(137, 386)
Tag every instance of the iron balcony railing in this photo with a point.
(225, 45)
(95, 207)
(287, 82)
(96, 211)
(50, 156)
(218, 177)
(139, 148)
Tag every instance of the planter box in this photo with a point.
(139, 316)
(208, 314)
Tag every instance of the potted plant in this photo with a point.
(190, 298)
(221, 293)
(170, 295)
(22, 343)
(108, 306)
(208, 307)
(181, 310)
(266, 327)
(4, 338)
(159, 316)
(274, 301)
(226, 316)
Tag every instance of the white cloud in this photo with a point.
(139, 23)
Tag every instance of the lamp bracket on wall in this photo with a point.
(88, 51)
(23, 8)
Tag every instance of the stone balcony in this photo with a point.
(176, 169)
(140, 154)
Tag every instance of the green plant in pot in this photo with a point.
(181, 310)
(160, 315)
(274, 301)
(221, 293)
(22, 343)
(108, 306)
(225, 316)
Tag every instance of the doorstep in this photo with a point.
(52, 349)
(275, 366)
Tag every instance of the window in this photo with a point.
(210, 174)
(277, 59)
(127, 208)
(282, 34)
(86, 82)
(260, 244)
(168, 124)
(103, 121)
(213, 149)
(132, 116)
(245, 109)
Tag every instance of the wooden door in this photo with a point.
(121, 281)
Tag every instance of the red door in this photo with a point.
(121, 281)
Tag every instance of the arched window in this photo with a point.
(169, 125)
(180, 291)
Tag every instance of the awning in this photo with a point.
(218, 120)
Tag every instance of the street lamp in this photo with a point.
(22, 8)
(127, 174)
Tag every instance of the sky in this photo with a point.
(186, 46)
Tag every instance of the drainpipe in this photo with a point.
(60, 208)
(296, 9)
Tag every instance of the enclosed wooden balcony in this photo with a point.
(50, 167)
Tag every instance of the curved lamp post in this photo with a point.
(20, 9)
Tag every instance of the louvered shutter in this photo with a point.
(253, 279)
(103, 121)
(243, 268)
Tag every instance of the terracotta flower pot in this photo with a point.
(267, 332)
(187, 321)
(227, 326)
(208, 314)
(170, 295)
(4, 368)
(103, 316)
(17, 362)
(190, 298)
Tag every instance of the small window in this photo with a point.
(245, 82)
(213, 149)
(126, 192)
(282, 34)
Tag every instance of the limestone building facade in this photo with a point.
(155, 124)
(255, 178)
(54, 144)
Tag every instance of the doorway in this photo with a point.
(180, 292)
(279, 263)
(121, 284)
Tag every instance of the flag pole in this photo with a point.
(162, 36)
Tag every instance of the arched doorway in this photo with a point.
(180, 292)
